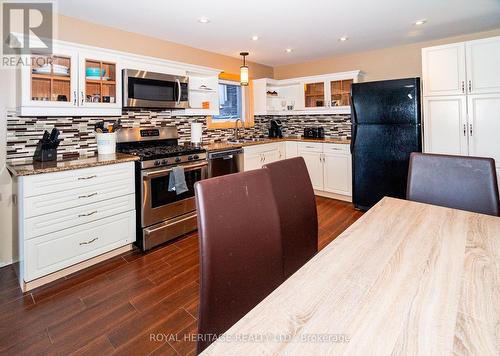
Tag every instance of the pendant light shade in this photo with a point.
(244, 70)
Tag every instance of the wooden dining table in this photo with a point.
(406, 279)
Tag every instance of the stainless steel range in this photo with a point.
(164, 214)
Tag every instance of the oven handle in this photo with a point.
(149, 230)
(148, 175)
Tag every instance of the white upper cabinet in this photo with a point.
(79, 80)
(462, 68)
(50, 83)
(443, 70)
(100, 81)
(445, 125)
(484, 126)
(320, 94)
(483, 66)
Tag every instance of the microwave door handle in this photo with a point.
(179, 91)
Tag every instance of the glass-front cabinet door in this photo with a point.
(100, 81)
(314, 95)
(51, 80)
(340, 92)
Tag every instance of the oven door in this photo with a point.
(143, 89)
(160, 204)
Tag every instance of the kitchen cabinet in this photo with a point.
(103, 91)
(62, 84)
(462, 68)
(258, 155)
(329, 167)
(58, 85)
(445, 125)
(314, 164)
(443, 69)
(328, 164)
(66, 218)
(483, 71)
(291, 149)
(484, 126)
(50, 83)
(337, 173)
(321, 94)
(466, 123)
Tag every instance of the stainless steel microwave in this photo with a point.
(142, 89)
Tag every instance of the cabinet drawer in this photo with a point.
(53, 252)
(261, 148)
(77, 179)
(45, 224)
(336, 148)
(50, 203)
(310, 147)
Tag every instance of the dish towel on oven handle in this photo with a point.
(177, 181)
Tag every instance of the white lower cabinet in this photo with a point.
(258, 155)
(328, 164)
(314, 164)
(52, 252)
(337, 173)
(329, 167)
(65, 218)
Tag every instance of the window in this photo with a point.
(231, 102)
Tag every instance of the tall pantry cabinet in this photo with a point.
(461, 85)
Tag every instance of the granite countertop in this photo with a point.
(223, 145)
(26, 169)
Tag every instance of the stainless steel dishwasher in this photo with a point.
(225, 162)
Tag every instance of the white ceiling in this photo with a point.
(310, 27)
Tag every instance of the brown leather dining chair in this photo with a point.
(294, 196)
(240, 248)
(465, 183)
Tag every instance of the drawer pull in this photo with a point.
(88, 214)
(87, 196)
(89, 177)
(89, 242)
(310, 147)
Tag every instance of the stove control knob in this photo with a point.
(196, 157)
(190, 158)
(164, 161)
(177, 160)
(157, 163)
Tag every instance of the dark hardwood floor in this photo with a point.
(125, 305)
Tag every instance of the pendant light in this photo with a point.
(244, 70)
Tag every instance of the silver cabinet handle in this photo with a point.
(470, 129)
(463, 86)
(74, 98)
(465, 130)
(310, 147)
(81, 93)
(89, 177)
(89, 242)
(88, 214)
(87, 196)
(470, 86)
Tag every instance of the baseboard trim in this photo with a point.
(333, 196)
(27, 286)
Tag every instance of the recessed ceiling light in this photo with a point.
(203, 20)
(420, 22)
(343, 39)
(289, 50)
(255, 38)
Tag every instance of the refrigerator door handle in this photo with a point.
(353, 136)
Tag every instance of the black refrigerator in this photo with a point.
(386, 128)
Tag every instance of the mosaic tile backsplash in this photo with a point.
(78, 140)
